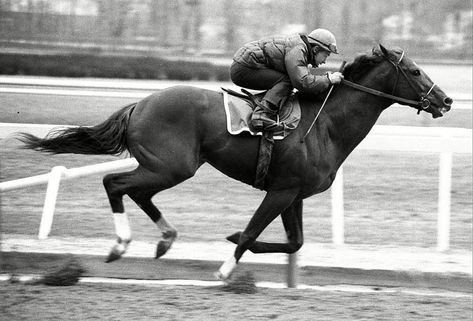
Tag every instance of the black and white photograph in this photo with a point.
(290, 160)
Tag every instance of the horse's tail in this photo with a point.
(108, 137)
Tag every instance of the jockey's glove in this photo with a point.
(335, 77)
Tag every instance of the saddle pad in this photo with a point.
(238, 113)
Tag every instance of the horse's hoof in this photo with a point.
(166, 242)
(227, 269)
(234, 238)
(113, 256)
(117, 250)
(162, 248)
(220, 277)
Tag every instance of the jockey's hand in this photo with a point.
(335, 77)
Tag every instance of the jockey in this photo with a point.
(279, 64)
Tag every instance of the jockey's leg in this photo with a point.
(278, 86)
(279, 91)
(265, 116)
(273, 204)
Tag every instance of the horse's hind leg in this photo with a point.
(141, 184)
(169, 233)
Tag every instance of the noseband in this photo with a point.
(422, 104)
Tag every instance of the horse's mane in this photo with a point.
(363, 63)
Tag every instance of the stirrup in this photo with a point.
(265, 108)
(267, 125)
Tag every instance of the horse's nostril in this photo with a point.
(448, 101)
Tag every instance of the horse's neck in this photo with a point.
(350, 116)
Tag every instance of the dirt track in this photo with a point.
(131, 302)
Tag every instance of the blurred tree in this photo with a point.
(119, 18)
(159, 20)
(102, 18)
(313, 14)
(229, 11)
(5, 5)
(192, 21)
(30, 17)
(72, 18)
(112, 17)
(346, 35)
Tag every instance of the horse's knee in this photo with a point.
(245, 240)
(294, 247)
(244, 243)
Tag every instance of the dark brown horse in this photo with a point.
(173, 132)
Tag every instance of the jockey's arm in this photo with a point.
(299, 73)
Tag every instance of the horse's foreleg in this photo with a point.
(292, 221)
(273, 204)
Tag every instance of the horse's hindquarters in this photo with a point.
(180, 128)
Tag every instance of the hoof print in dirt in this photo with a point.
(67, 274)
(242, 283)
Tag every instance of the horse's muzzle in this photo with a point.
(448, 102)
(447, 105)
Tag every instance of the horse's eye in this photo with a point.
(416, 72)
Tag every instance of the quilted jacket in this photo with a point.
(290, 55)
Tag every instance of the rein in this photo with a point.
(422, 104)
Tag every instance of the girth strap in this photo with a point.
(264, 159)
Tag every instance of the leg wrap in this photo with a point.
(122, 226)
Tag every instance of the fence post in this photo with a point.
(292, 270)
(445, 184)
(50, 201)
(338, 229)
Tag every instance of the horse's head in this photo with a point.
(399, 76)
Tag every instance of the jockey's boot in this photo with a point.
(265, 117)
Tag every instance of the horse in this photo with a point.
(173, 132)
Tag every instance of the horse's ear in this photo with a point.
(384, 50)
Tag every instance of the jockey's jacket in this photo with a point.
(290, 55)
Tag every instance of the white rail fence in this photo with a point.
(444, 141)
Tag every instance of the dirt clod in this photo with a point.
(66, 275)
(242, 283)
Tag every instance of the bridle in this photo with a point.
(422, 104)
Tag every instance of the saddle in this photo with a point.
(240, 106)
(238, 109)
